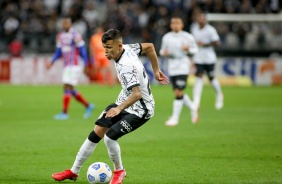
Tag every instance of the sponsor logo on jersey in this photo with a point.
(126, 126)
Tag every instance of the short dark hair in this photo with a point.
(111, 34)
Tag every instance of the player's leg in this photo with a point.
(73, 80)
(177, 84)
(89, 107)
(216, 86)
(88, 147)
(67, 79)
(198, 86)
(127, 124)
(66, 102)
(84, 152)
(180, 86)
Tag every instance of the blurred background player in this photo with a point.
(69, 44)
(207, 38)
(176, 45)
(102, 65)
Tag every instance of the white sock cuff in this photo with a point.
(199, 79)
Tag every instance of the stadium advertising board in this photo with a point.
(31, 69)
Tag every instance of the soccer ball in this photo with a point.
(99, 172)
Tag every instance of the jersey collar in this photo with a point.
(120, 55)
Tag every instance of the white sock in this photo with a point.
(177, 108)
(188, 103)
(216, 86)
(84, 152)
(197, 91)
(114, 152)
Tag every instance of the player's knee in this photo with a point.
(211, 77)
(179, 97)
(107, 140)
(112, 134)
(93, 137)
(178, 93)
(199, 74)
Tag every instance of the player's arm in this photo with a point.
(134, 97)
(163, 51)
(213, 43)
(149, 50)
(57, 55)
(82, 51)
(193, 47)
(80, 44)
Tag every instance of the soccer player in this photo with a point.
(101, 62)
(206, 37)
(69, 45)
(176, 45)
(133, 107)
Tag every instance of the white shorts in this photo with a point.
(71, 75)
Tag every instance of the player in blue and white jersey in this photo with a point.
(70, 46)
(133, 107)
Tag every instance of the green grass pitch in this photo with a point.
(242, 143)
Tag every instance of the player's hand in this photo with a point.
(200, 43)
(49, 65)
(166, 53)
(160, 76)
(112, 112)
(185, 48)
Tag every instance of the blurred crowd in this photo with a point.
(34, 24)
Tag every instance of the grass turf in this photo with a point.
(242, 143)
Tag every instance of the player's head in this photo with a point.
(112, 42)
(176, 24)
(66, 23)
(201, 18)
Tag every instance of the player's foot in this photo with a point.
(67, 174)
(89, 111)
(171, 122)
(119, 175)
(194, 116)
(61, 116)
(219, 102)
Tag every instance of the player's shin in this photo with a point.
(85, 151)
(177, 108)
(114, 152)
(216, 86)
(188, 102)
(197, 91)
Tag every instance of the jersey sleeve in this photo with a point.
(163, 46)
(58, 41)
(193, 47)
(129, 76)
(214, 35)
(136, 47)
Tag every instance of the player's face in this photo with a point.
(112, 49)
(176, 24)
(201, 18)
(66, 24)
